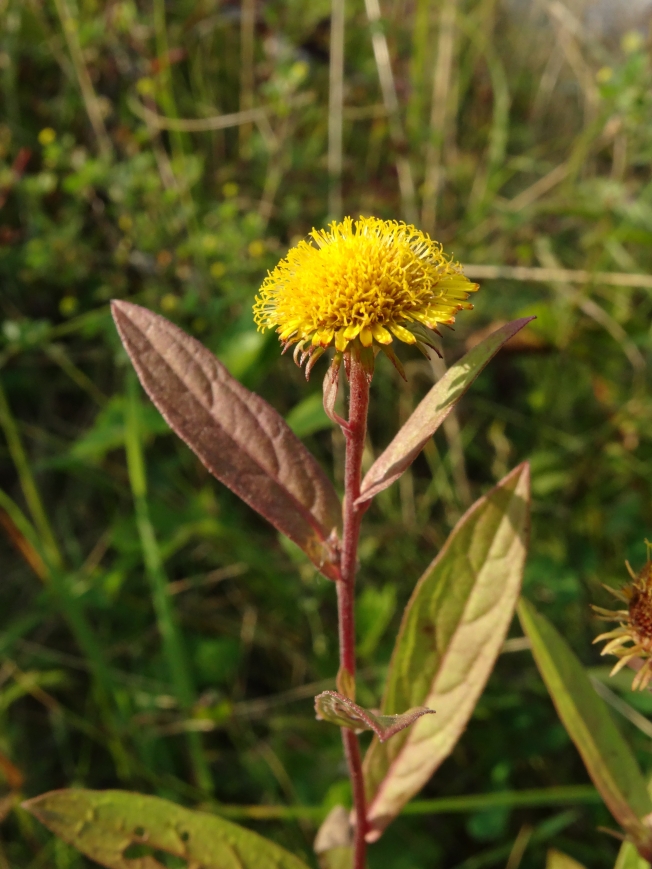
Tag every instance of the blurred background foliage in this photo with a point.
(158, 636)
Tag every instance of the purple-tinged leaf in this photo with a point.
(238, 436)
(451, 634)
(607, 757)
(338, 709)
(106, 825)
(432, 411)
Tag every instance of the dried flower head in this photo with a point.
(633, 636)
(366, 281)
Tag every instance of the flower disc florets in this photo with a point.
(366, 281)
(633, 636)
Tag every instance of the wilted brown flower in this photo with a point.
(633, 636)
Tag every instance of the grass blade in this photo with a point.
(170, 635)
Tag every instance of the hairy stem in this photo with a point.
(354, 432)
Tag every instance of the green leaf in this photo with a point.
(607, 757)
(115, 827)
(239, 437)
(629, 858)
(338, 709)
(108, 430)
(558, 860)
(452, 631)
(432, 411)
(308, 416)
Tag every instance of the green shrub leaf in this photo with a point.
(452, 631)
(238, 436)
(432, 411)
(607, 757)
(116, 827)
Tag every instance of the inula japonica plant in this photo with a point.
(351, 290)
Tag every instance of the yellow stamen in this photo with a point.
(363, 281)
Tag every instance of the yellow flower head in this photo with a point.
(366, 281)
(633, 636)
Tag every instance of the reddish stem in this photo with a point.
(354, 432)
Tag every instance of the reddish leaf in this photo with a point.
(240, 438)
(432, 411)
(338, 709)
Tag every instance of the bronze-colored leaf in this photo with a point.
(451, 634)
(240, 438)
(338, 709)
(122, 830)
(432, 411)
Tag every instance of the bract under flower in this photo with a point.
(366, 281)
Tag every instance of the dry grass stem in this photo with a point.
(390, 99)
(247, 46)
(91, 101)
(335, 110)
(439, 113)
(556, 275)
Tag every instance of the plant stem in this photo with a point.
(354, 432)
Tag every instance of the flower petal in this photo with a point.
(402, 334)
(381, 334)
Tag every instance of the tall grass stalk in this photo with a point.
(173, 646)
(335, 110)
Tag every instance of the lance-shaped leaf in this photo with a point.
(338, 709)
(240, 438)
(122, 830)
(432, 411)
(607, 757)
(452, 630)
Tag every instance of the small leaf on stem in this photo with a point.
(432, 411)
(607, 757)
(109, 826)
(338, 709)
(345, 683)
(238, 436)
(451, 634)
